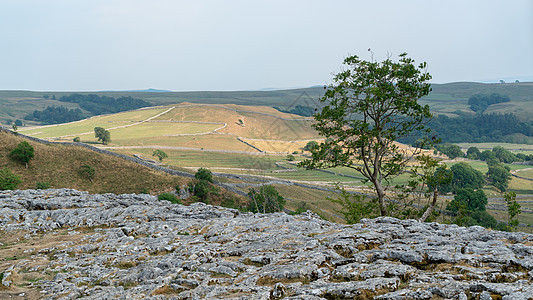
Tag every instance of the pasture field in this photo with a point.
(87, 125)
(287, 147)
(516, 148)
(208, 159)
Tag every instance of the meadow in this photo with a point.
(248, 140)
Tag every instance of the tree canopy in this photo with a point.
(102, 135)
(369, 106)
(499, 176)
(464, 176)
(23, 153)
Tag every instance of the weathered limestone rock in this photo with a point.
(136, 247)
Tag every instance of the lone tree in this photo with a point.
(23, 153)
(369, 106)
(102, 135)
(160, 154)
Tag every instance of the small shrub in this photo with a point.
(169, 197)
(42, 185)
(77, 139)
(290, 157)
(87, 172)
(204, 174)
(266, 200)
(8, 180)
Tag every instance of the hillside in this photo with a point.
(58, 166)
(192, 126)
(66, 244)
(445, 98)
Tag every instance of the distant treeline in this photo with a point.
(480, 102)
(479, 128)
(55, 115)
(99, 105)
(96, 105)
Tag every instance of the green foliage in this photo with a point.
(87, 171)
(231, 202)
(42, 185)
(483, 218)
(15, 127)
(464, 176)
(384, 97)
(204, 174)
(311, 146)
(8, 180)
(18, 122)
(469, 199)
(160, 154)
(302, 207)
(102, 135)
(169, 197)
(473, 153)
(499, 176)
(201, 190)
(76, 139)
(266, 200)
(356, 207)
(99, 105)
(504, 155)
(290, 157)
(23, 153)
(513, 210)
(493, 127)
(450, 150)
(55, 115)
(427, 178)
(480, 102)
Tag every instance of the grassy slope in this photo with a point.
(257, 125)
(58, 164)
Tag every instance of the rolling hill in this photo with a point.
(444, 99)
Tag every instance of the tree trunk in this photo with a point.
(431, 207)
(381, 198)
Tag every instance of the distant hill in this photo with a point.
(444, 99)
(147, 91)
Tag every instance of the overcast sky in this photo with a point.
(67, 45)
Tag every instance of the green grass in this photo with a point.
(206, 159)
(107, 121)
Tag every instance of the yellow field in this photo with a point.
(87, 125)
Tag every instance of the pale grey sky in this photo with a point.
(67, 45)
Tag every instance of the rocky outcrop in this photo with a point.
(136, 247)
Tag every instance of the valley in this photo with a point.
(253, 142)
